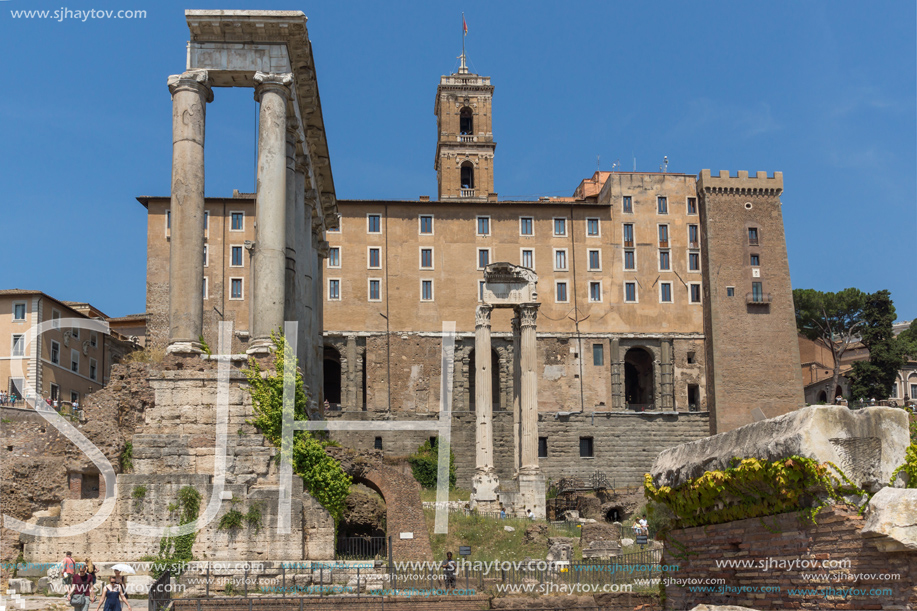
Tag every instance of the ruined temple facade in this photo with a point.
(665, 304)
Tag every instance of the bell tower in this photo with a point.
(465, 143)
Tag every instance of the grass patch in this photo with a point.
(489, 541)
(428, 495)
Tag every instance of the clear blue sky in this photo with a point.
(823, 91)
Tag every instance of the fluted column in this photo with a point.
(290, 226)
(529, 395)
(190, 94)
(269, 263)
(517, 383)
(305, 255)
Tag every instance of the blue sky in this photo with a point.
(825, 92)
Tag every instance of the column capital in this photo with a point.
(293, 130)
(271, 81)
(323, 249)
(527, 313)
(302, 166)
(516, 324)
(482, 315)
(197, 81)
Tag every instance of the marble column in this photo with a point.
(517, 383)
(290, 228)
(484, 482)
(190, 94)
(322, 251)
(269, 262)
(305, 254)
(528, 401)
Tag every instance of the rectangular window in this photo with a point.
(75, 332)
(592, 227)
(630, 292)
(894, 394)
(236, 221)
(753, 236)
(334, 289)
(628, 203)
(598, 355)
(426, 290)
(693, 237)
(426, 258)
(628, 234)
(757, 292)
(560, 227)
(695, 293)
(55, 320)
(235, 256)
(691, 357)
(595, 292)
(664, 261)
(55, 352)
(55, 394)
(205, 288)
(542, 447)
(595, 260)
(93, 339)
(18, 345)
(665, 292)
(377, 443)
(74, 397)
(662, 205)
(526, 225)
(561, 292)
(168, 221)
(373, 223)
(480, 290)
(235, 288)
(483, 257)
(206, 256)
(629, 262)
(483, 225)
(693, 262)
(92, 369)
(913, 391)
(663, 236)
(586, 449)
(74, 360)
(692, 205)
(19, 311)
(426, 224)
(374, 258)
(334, 256)
(730, 291)
(560, 259)
(374, 290)
(206, 222)
(528, 258)
(755, 260)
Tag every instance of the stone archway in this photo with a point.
(639, 382)
(401, 493)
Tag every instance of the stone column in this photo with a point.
(517, 383)
(190, 94)
(484, 483)
(666, 370)
(269, 262)
(528, 399)
(318, 330)
(617, 374)
(304, 256)
(290, 227)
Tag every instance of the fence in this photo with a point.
(360, 548)
(160, 596)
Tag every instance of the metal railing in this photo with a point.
(160, 595)
(360, 548)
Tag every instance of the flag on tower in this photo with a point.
(464, 25)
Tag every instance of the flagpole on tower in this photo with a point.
(463, 69)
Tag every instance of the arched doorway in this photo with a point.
(822, 397)
(332, 376)
(494, 380)
(467, 175)
(639, 390)
(466, 122)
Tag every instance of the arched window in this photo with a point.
(466, 122)
(468, 175)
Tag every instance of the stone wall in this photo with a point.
(783, 538)
(625, 444)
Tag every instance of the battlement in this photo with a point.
(759, 184)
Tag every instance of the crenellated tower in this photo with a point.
(465, 144)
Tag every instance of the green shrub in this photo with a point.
(126, 460)
(425, 465)
(232, 519)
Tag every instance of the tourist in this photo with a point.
(530, 514)
(120, 579)
(68, 568)
(502, 513)
(644, 526)
(81, 593)
(449, 571)
(112, 596)
(91, 570)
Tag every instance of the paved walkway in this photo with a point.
(58, 603)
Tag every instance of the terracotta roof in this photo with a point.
(18, 292)
(142, 316)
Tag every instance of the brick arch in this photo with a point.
(401, 493)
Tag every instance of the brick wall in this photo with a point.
(785, 537)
